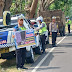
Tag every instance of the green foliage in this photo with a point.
(52, 6)
(64, 5)
(17, 7)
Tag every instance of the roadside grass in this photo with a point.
(10, 65)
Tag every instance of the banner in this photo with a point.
(24, 38)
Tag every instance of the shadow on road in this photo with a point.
(65, 45)
(69, 34)
(45, 64)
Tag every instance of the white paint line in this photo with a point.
(35, 69)
(61, 40)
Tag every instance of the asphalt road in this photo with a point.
(58, 59)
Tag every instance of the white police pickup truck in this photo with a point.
(7, 44)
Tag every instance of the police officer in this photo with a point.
(68, 22)
(42, 29)
(53, 28)
(20, 53)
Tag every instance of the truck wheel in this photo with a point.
(8, 55)
(38, 50)
(30, 56)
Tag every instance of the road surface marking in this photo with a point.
(39, 64)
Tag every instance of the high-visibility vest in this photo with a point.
(69, 22)
(44, 29)
(19, 28)
(22, 28)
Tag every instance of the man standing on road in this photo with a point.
(20, 53)
(69, 23)
(53, 28)
(42, 29)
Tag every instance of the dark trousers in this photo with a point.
(42, 40)
(54, 35)
(68, 28)
(20, 57)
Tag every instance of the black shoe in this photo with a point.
(23, 68)
(54, 46)
(44, 52)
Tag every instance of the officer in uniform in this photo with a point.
(68, 22)
(42, 29)
(53, 28)
(20, 53)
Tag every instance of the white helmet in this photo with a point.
(21, 16)
(53, 17)
(40, 18)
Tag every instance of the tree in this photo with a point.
(31, 8)
(5, 6)
(44, 4)
(1, 7)
(64, 5)
(27, 6)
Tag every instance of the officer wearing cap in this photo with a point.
(53, 28)
(20, 53)
(42, 29)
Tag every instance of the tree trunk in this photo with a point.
(1, 7)
(48, 4)
(43, 6)
(7, 5)
(27, 8)
(33, 8)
